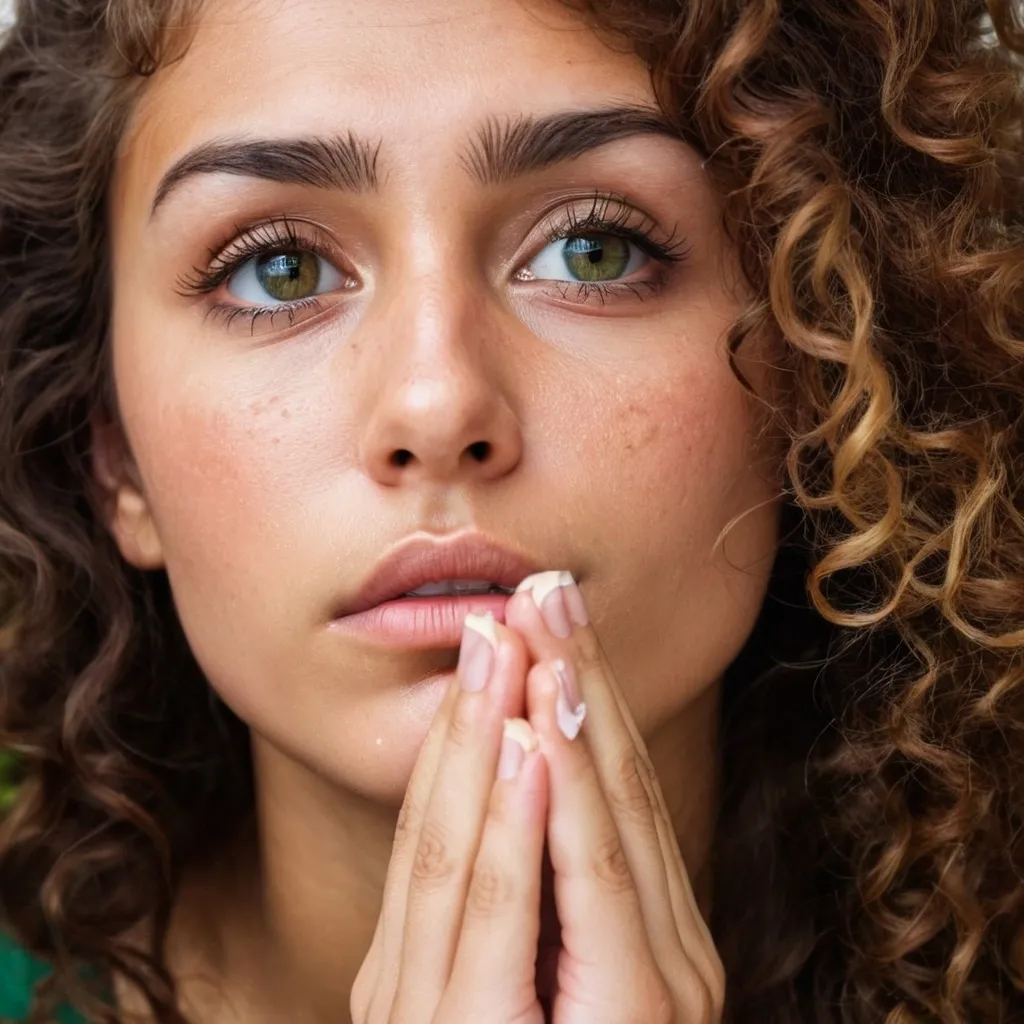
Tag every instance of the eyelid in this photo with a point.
(229, 313)
(613, 213)
(254, 240)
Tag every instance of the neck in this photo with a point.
(287, 919)
(324, 855)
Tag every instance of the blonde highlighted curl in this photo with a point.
(869, 858)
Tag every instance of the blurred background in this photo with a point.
(6, 761)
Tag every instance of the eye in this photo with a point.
(283, 275)
(590, 258)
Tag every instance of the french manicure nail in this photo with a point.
(476, 653)
(540, 584)
(574, 602)
(547, 590)
(570, 709)
(517, 740)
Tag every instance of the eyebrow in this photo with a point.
(506, 148)
(503, 149)
(348, 163)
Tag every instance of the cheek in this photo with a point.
(675, 466)
(665, 448)
(227, 466)
(665, 440)
(212, 483)
(229, 444)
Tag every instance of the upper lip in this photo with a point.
(428, 560)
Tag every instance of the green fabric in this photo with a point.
(19, 973)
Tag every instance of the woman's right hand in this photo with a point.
(456, 939)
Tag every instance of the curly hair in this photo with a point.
(872, 160)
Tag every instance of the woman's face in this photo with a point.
(427, 271)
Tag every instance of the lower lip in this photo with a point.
(420, 621)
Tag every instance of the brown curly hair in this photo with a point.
(872, 158)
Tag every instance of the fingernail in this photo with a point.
(570, 709)
(517, 739)
(547, 589)
(574, 602)
(476, 652)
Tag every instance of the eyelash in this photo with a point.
(608, 214)
(612, 215)
(250, 242)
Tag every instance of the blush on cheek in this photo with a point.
(676, 471)
(213, 488)
(674, 436)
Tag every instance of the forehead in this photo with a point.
(417, 76)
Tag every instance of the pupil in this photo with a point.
(596, 257)
(287, 276)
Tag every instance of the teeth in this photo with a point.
(459, 588)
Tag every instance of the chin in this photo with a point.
(365, 747)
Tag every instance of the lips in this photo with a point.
(422, 561)
(384, 612)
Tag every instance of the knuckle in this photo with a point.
(462, 728)
(702, 998)
(490, 891)
(629, 793)
(656, 1004)
(716, 988)
(405, 825)
(611, 866)
(433, 863)
(589, 657)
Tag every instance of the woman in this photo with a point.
(596, 432)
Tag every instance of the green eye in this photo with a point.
(288, 276)
(283, 276)
(596, 257)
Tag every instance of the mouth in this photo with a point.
(457, 588)
(419, 594)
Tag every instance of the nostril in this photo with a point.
(479, 450)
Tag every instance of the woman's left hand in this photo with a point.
(633, 944)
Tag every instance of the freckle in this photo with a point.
(286, 413)
(638, 424)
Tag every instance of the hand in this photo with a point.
(456, 939)
(634, 947)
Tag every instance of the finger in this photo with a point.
(605, 913)
(551, 615)
(363, 996)
(387, 943)
(493, 972)
(453, 822)
(371, 987)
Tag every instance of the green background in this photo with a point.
(7, 768)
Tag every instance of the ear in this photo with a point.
(123, 501)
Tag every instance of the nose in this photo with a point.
(439, 406)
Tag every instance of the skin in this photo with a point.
(254, 467)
